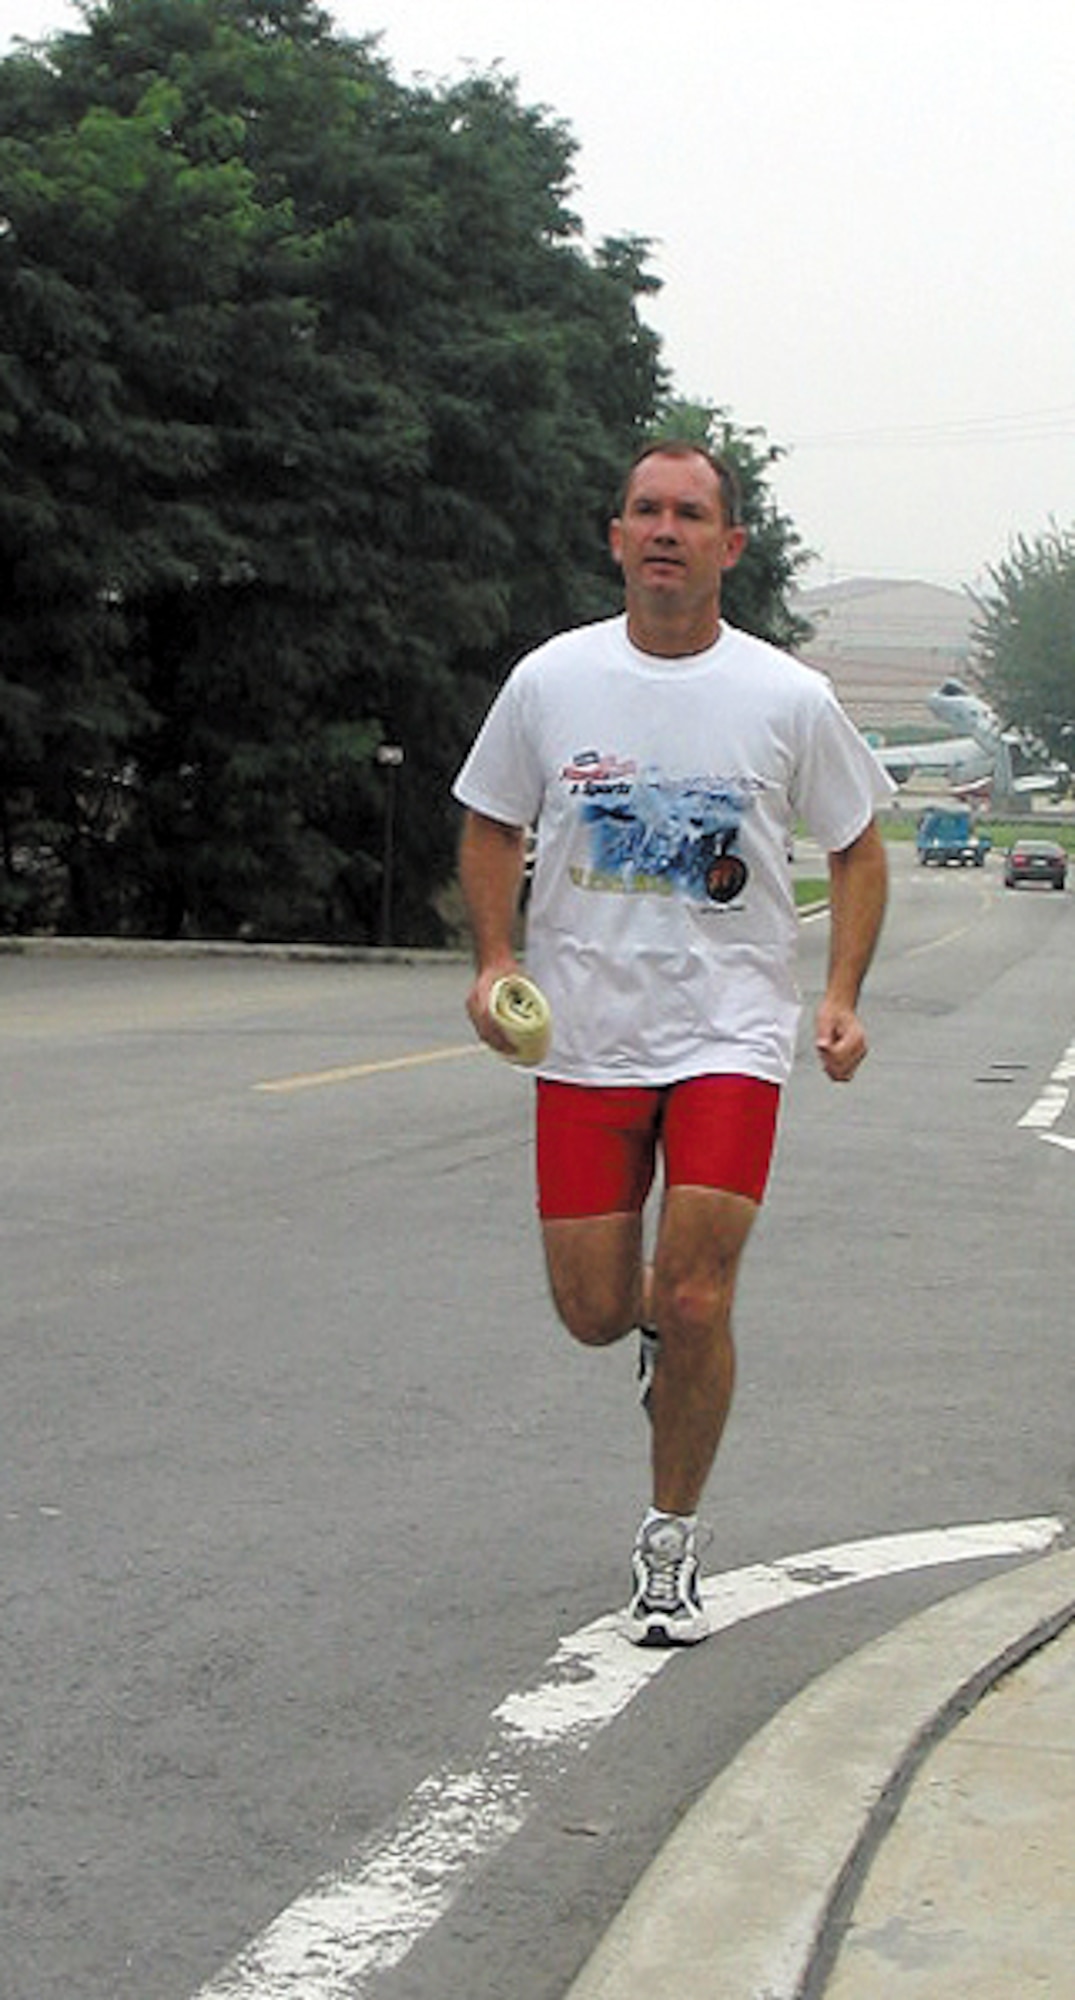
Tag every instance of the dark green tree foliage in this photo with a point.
(310, 402)
(1024, 641)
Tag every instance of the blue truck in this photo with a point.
(948, 838)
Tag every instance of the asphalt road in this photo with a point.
(298, 1479)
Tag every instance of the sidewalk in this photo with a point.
(973, 1891)
(903, 1830)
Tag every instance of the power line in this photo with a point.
(1015, 427)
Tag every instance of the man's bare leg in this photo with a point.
(701, 1238)
(595, 1272)
(602, 1289)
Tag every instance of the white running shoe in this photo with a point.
(666, 1609)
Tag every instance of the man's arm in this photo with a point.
(491, 858)
(858, 891)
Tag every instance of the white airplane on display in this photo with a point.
(984, 761)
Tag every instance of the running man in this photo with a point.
(663, 758)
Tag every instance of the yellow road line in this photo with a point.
(318, 1078)
(952, 937)
(937, 943)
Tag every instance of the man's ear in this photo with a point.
(615, 540)
(735, 542)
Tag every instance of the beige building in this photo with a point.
(886, 645)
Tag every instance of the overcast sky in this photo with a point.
(862, 216)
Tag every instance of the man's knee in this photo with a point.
(694, 1307)
(591, 1322)
(595, 1306)
(696, 1268)
(595, 1276)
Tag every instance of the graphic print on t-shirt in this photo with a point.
(652, 834)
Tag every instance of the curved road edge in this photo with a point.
(748, 1896)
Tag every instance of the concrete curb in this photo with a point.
(342, 954)
(745, 1899)
(16, 946)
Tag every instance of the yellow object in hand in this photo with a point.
(522, 1011)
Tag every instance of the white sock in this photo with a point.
(653, 1515)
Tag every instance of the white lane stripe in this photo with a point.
(1046, 1108)
(355, 1925)
(1051, 1102)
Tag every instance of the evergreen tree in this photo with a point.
(313, 404)
(1024, 641)
(308, 388)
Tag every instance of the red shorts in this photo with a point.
(597, 1144)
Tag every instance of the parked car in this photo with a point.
(1035, 861)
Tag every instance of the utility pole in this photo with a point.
(390, 757)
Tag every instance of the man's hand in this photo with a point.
(858, 884)
(484, 1023)
(490, 872)
(840, 1040)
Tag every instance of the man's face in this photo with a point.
(671, 540)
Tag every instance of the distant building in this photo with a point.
(887, 645)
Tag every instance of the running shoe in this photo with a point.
(648, 1347)
(666, 1609)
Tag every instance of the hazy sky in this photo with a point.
(862, 213)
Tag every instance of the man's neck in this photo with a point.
(672, 638)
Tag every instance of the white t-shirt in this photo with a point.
(661, 925)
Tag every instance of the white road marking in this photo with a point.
(356, 1924)
(1051, 1103)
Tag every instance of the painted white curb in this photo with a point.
(736, 1904)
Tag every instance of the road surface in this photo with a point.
(300, 1485)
